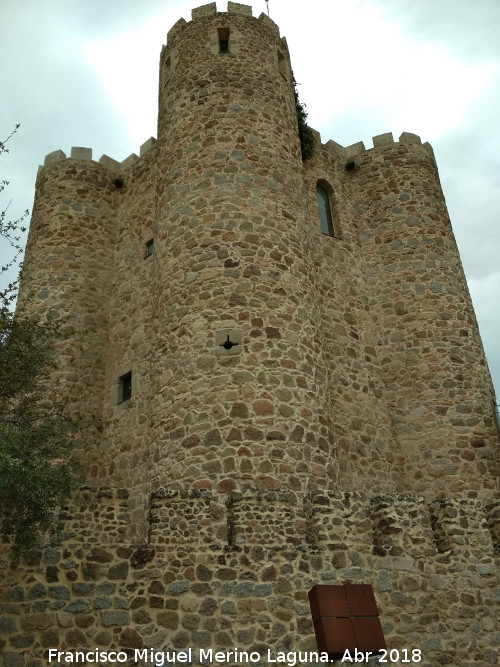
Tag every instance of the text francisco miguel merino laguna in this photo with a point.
(188, 657)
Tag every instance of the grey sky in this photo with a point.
(85, 74)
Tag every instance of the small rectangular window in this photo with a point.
(125, 389)
(325, 212)
(223, 40)
(149, 248)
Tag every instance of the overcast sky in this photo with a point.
(85, 73)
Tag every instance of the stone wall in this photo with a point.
(324, 399)
(234, 571)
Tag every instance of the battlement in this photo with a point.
(389, 525)
(346, 152)
(210, 9)
(380, 141)
(85, 154)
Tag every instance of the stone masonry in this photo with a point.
(305, 408)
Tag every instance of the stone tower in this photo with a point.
(287, 369)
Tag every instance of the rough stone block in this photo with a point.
(205, 10)
(238, 8)
(409, 138)
(354, 149)
(55, 156)
(461, 525)
(401, 526)
(383, 139)
(79, 153)
(109, 163)
(272, 26)
(181, 517)
(260, 518)
(176, 29)
(334, 147)
(147, 145)
(129, 161)
(339, 521)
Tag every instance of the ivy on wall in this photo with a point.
(305, 133)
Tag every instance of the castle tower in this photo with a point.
(287, 369)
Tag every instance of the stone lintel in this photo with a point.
(80, 153)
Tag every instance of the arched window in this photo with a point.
(325, 211)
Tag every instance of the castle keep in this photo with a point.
(285, 364)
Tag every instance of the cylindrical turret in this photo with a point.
(66, 272)
(239, 396)
(437, 382)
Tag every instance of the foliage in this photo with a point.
(37, 471)
(305, 133)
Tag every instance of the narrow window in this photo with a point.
(325, 211)
(125, 389)
(496, 412)
(149, 248)
(281, 64)
(223, 40)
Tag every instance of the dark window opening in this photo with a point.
(496, 413)
(125, 392)
(325, 211)
(149, 248)
(223, 40)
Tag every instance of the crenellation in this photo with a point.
(339, 521)
(129, 161)
(147, 145)
(109, 163)
(80, 153)
(238, 8)
(461, 525)
(180, 517)
(271, 25)
(204, 10)
(409, 138)
(401, 526)
(96, 516)
(175, 30)
(55, 156)
(283, 384)
(335, 148)
(354, 149)
(260, 518)
(383, 140)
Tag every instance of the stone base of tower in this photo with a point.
(233, 572)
